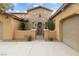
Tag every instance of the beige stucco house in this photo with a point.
(67, 24)
(10, 23)
(66, 20)
(37, 17)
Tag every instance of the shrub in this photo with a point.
(51, 39)
(51, 25)
(29, 38)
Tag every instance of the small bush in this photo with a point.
(51, 39)
(29, 38)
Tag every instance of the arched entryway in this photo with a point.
(39, 31)
(39, 28)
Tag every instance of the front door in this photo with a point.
(39, 28)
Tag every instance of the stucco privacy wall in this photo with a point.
(68, 11)
(15, 24)
(49, 34)
(9, 24)
(24, 34)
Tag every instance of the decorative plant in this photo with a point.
(51, 25)
(51, 39)
(29, 38)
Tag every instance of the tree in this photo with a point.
(6, 6)
(51, 25)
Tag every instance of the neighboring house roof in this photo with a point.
(60, 10)
(39, 7)
(11, 15)
(19, 13)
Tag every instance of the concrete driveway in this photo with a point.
(36, 49)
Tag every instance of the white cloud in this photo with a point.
(17, 11)
(54, 3)
(15, 4)
(21, 11)
(36, 5)
(9, 10)
(25, 11)
(41, 4)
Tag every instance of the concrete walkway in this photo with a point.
(36, 49)
(40, 38)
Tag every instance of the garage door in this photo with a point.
(1, 31)
(71, 32)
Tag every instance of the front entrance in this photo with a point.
(39, 28)
(39, 31)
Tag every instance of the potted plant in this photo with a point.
(29, 38)
(51, 39)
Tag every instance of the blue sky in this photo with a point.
(22, 7)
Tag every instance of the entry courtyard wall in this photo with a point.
(49, 34)
(24, 34)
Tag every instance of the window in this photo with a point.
(22, 26)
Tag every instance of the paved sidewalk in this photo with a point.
(36, 49)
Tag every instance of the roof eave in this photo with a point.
(39, 7)
(59, 10)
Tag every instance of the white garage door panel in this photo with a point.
(71, 32)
